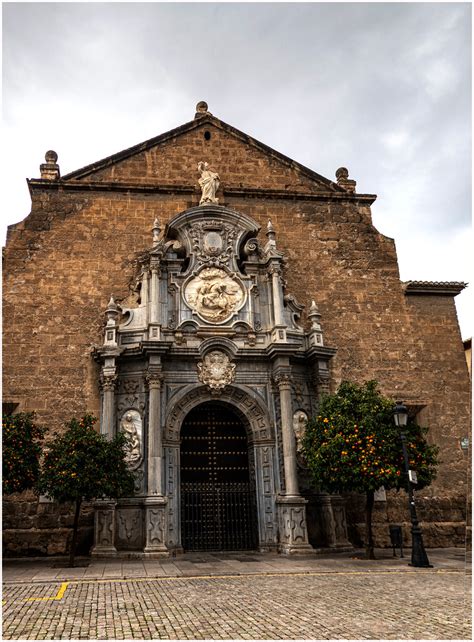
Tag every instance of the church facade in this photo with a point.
(200, 292)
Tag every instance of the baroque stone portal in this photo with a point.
(215, 370)
(214, 295)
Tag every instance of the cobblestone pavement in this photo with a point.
(416, 604)
(239, 596)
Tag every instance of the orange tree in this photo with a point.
(354, 445)
(81, 465)
(21, 450)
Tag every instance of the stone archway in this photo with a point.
(218, 499)
(262, 456)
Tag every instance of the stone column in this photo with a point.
(155, 455)
(289, 443)
(155, 503)
(291, 506)
(104, 529)
(108, 382)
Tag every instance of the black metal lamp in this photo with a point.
(418, 553)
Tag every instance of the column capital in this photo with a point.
(155, 265)
(274, 268)
(153, 379)
(108, 381)
(282, 378)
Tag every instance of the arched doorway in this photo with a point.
(218, 509)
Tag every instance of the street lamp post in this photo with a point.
(418, 553)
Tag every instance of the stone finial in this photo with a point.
(343, 180)
(270, 233)
(50, 169)
(316, 332)
(112, 310)
(156, 231)
(314, 316)
(201, 109)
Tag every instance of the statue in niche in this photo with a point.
(209, 183)
(131, 425)
(300, 419)
(216, 370)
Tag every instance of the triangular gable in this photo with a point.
(171, 159)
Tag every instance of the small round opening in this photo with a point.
(207, 135)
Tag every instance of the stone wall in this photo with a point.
(77, 247)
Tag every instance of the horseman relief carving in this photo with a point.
(214, 295)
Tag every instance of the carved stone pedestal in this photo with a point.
(330, 525)
(104, 529)
(292, 525)
(155, 527)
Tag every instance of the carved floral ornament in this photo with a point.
(214, 295)
(216, 371)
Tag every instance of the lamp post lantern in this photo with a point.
(418, 553)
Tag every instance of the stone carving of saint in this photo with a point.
(300, 419)
(209, 183)
(128, 426)
(216, 370)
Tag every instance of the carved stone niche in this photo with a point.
(132, 426)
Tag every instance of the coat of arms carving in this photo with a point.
(216, 371)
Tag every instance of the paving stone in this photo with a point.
(338, 598)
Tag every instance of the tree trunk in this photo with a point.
(72, 551)
(369, 540)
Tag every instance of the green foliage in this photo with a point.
(81, 465)
(354, 445)
(21, 450)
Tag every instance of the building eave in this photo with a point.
(434, 288)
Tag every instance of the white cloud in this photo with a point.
(383, 89)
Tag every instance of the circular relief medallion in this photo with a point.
(214, 295)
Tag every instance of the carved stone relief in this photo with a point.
(300, 420)
(293, 525)
(214, 295)
(129, 527)
(216, 371)
(155, 524)
(213, 241)
(131, 426)
(105, 528)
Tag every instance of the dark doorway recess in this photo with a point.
(218, 510)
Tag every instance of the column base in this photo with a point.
(104, 551)
(292, 524)
(155, 527)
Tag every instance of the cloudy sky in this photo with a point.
(383, 89)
